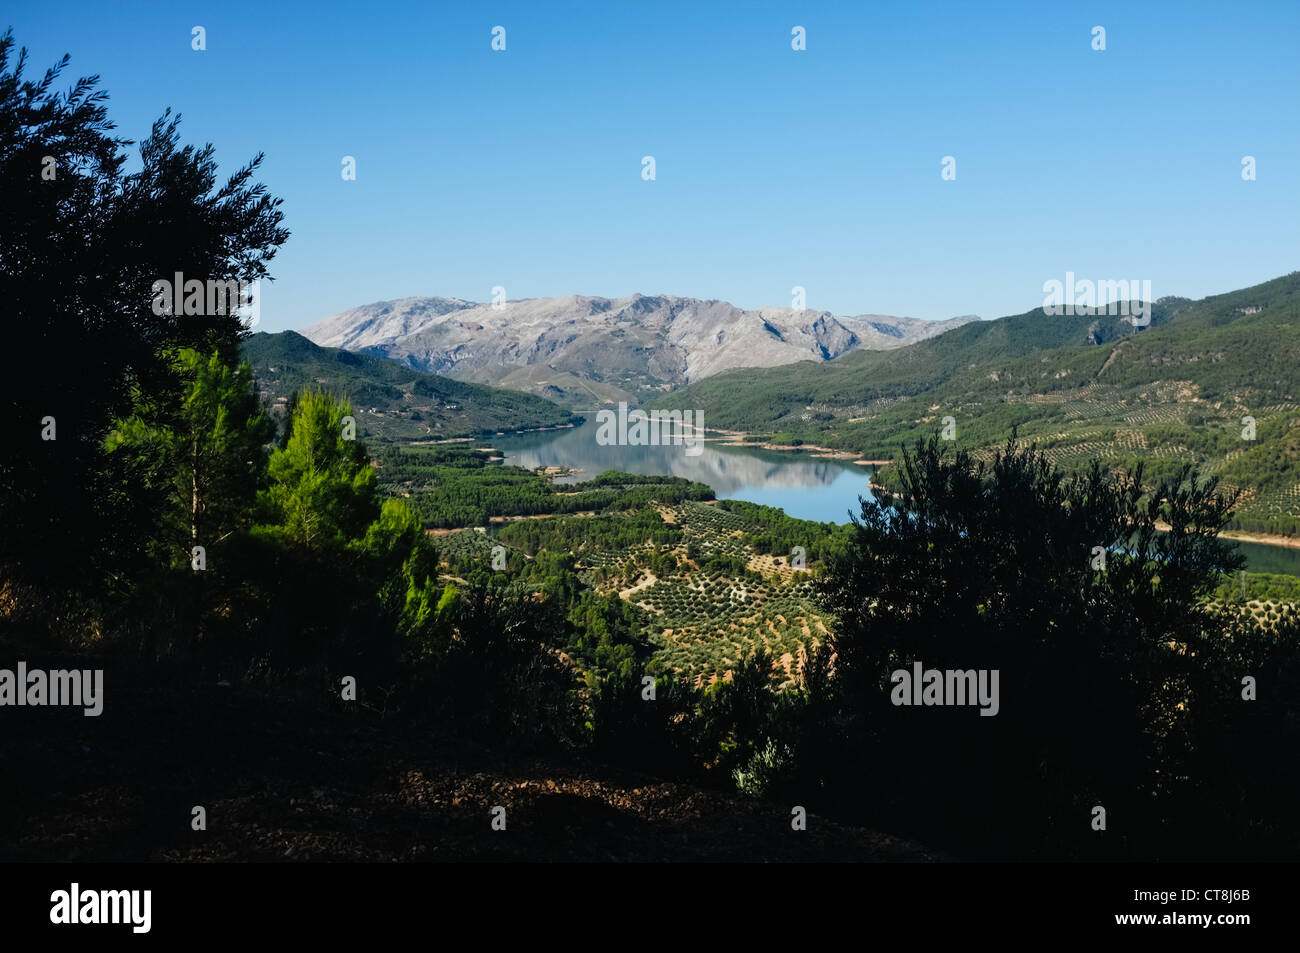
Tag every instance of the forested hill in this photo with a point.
(390, 401)
(1084, 386)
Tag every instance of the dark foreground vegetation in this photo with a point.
(284, 644)
(284, 780)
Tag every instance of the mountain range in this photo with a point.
(1082, 386)
(584, 351)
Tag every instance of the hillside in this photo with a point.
(580, 349)
(1083, 386)
(392, 402)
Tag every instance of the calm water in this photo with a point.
(805, 486)
(1281, 559)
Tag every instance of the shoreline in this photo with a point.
(1238, 536)
(734, 438)
(829, 453)
(489, 435)
(1262, 539)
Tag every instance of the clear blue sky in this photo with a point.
(775, 168)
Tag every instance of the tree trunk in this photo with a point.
(194, 499)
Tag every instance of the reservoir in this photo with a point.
(801, 483)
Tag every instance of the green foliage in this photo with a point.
(739, 710)
(204, 460)
(452, 489)
(607, 633)
(394, 402)
(81, 253)
(1259, 587)
(764, 770)
(775, 533)
(322, 488)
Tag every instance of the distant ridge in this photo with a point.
(583, 350)
(1182, 390)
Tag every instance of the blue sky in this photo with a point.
(775, 168)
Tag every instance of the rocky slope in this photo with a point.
(583, 350)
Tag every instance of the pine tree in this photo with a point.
(201, 463)
(83, 244)
(323, 489)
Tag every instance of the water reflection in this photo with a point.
(805, 486)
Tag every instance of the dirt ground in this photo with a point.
(334, 785)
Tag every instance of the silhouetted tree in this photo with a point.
(82, 243)
(999, 567)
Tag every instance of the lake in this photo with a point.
(805, 486)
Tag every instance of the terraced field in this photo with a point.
(464, 544)
(1272, 502)
(704, 621)
(1166, 426)
(707, 630)
(1268, 613)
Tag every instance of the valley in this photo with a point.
(683, 539)
(706, 582)
(704, 514)
(1211, 382)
